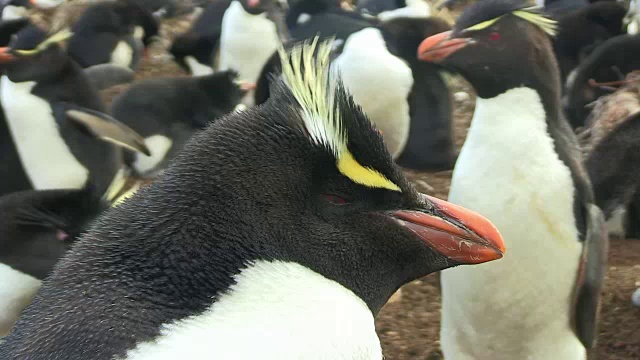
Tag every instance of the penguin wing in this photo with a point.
(106, 128)
(104, 76)
(591, 276)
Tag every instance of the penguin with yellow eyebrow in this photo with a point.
(286, 226)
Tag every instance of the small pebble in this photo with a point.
(635, 298)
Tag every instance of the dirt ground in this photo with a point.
(409, 326)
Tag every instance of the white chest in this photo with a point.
(380, 83)
(276, 310)
(246, 43)
(196, 68)
(122, 54)
(16, 292)
(45, 156)
(508, 171)
(12, 12)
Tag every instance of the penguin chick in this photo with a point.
(168, 111)
(287, 225)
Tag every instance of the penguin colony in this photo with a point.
(256, 206)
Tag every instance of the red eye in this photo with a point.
(335, 199)
(494, 36)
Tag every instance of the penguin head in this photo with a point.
(38, 227)
(32, 56)
(497, 45)
(225, 92)
(306, 178)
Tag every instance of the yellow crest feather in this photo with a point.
(547, 25)
(306, 72)
(58, 37)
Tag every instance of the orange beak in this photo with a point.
(461, 235)
(438, 47)
(247, 86)
(5, 56)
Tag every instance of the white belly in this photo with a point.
(380, 83)
(16, 292)
(246, 43)
(12, 12)
(276, 310)
(520, 306)
(45, 156)
(158, 145)
(122, 54)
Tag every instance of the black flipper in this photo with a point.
(591, 277)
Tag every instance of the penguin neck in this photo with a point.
(279, 294)
(70, 84)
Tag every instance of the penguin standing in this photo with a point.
(286, 225)
(196, 49)
(112, 32)
(55, 118)
(36, 229)
(168, 111)
(521, 167)
(249, 38)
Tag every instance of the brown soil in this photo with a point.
(409, 326)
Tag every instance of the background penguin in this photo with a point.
(405, 98)
(36, 229)
(411, 9)
(524, 155)
(430, 144)
(196, 49)
(53, 115)
(112, 32)
(168, 111)
(581, 31)
(302, 10)
(250, 35)
(608, 63)
(287, 224)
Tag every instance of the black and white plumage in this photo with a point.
(166, 112)
(295, 202)
(56, 120)
(524, 156)
(115, 32)
(36, 229)
(406, 99)
(251, 32)
(196, 49)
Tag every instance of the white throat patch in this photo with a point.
(44, 154)
(276, 310)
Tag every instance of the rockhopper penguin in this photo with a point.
(286, 225)
(521, 167)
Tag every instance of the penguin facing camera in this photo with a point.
(36, 229)
(112, 32)
(251, 32)
(286, 225)
(518, 141)
(196, 49)
(56, 120)
(166, 112)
